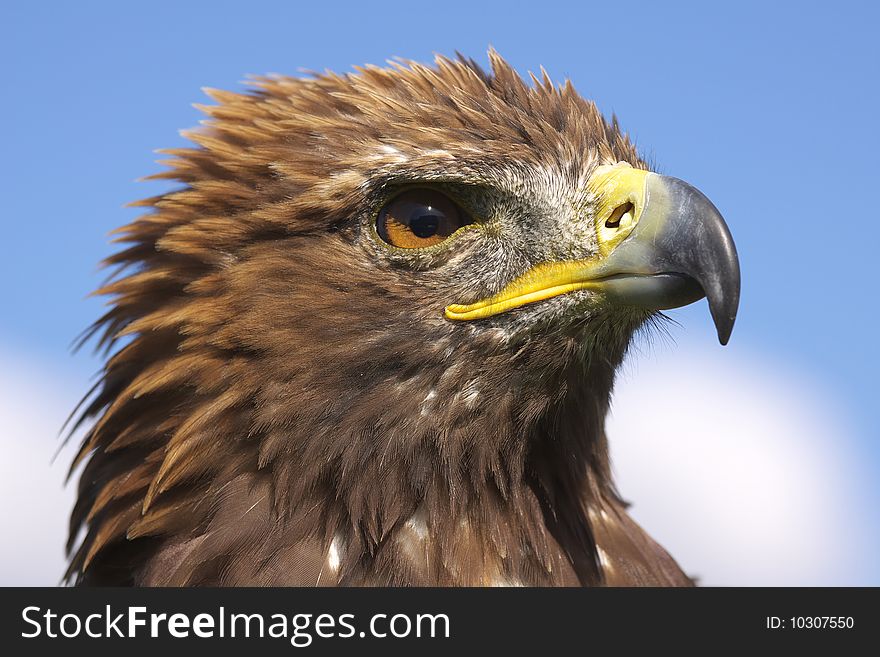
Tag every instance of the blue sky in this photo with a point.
(769, 108)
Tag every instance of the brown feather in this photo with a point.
(292, 408)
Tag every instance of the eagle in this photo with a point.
(370, 338)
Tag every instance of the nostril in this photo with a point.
(619, 213)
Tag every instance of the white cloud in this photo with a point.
(34, 504)
(747, 472)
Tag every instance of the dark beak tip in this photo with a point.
(723, 323)
(723, 299)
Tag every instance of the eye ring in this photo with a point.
(419, 218)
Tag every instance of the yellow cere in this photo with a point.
(619, 191)
(614, 187)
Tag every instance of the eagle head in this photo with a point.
(372, 336)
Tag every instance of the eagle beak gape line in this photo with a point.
(662, 244)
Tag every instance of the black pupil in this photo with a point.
(425, 225)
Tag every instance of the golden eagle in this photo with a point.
(371, 338)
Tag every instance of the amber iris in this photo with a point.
(418, 218)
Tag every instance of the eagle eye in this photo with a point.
(418, 218)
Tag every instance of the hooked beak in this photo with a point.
(662, 244)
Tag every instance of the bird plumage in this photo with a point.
(286, 403)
